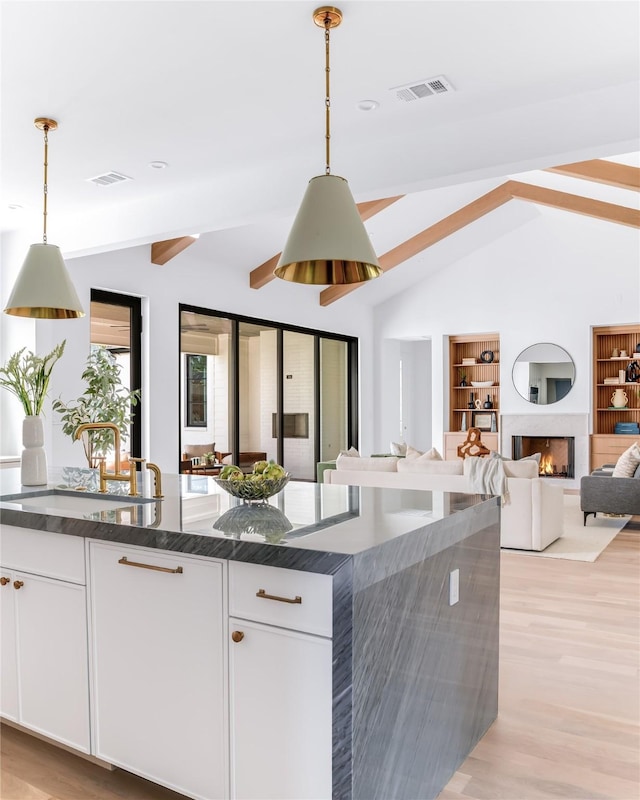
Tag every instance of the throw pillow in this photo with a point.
(533, 457)
(523, 468)
(431, 455)
(350, 452)
(628, 462)
(412, 452)
(398, 449)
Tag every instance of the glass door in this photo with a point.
(334, 398)
(116, 325)
(258, 393)
(253, 390)
(299, 404)
(207, 389)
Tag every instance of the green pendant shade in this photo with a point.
(328, 243)
(43, 288)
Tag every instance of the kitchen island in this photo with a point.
(336, 642)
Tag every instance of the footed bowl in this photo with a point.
(252, 491)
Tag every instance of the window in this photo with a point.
(196, 391)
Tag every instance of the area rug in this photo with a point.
(580, 543)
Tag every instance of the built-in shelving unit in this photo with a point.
(608, 342)
(461, 349)
(465, 347)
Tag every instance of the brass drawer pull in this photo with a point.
(18, 584)
(264, 596)
(237, 636)
(4, 581)
(127, 563)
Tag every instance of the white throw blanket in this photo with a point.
(487, 476)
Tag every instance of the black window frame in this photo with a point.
(190, 382)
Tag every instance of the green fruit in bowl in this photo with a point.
(259, 467)
(231, 472)
(274, 472)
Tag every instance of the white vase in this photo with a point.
(34, 458)
(619, 399)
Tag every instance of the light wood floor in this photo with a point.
(569, 705)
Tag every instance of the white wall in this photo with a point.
(549, 280)
(15, 333)
(187, 279)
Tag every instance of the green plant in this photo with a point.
(27, 377)
(463, 375)
(104, 400)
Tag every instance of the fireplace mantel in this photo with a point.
(576, 425)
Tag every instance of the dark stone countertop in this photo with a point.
(307, 526)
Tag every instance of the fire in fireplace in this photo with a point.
(557, 453)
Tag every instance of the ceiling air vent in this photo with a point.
(108, 178)
(420, 89)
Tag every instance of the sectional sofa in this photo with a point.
(532, 511)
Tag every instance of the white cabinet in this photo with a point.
(45, 682)
(8, 657)
(280, 686)
(159, 654)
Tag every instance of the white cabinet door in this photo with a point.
(158, 651)
(8, 661)
(51, 644)
(281, 697)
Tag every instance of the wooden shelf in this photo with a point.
(606, 445)
(470, 346)
(480, 364)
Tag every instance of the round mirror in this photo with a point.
(543, 373)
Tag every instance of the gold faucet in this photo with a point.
(157, 476)
(111, 476)
(157, 480)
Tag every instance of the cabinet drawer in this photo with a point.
(288, 598)
(55, 555)
(612, 447)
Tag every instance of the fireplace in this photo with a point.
(557, 453)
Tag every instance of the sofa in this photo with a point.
(601, 492)
(531, 517)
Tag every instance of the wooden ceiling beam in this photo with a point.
(421, 241)
(601, 171)
(263, 274)
(161, 252)
(597, 209)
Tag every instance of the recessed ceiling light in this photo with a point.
(15, 206)
(368, 105)
(158, 164)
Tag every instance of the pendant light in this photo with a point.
(328, 243)
(43, 289)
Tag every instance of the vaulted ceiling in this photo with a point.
(230, 96)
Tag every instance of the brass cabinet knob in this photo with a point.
(18, 584)
(237, 636)
(4, 581)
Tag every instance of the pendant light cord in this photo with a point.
(45, 187)
(327, 99)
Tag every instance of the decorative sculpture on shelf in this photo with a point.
(472, 446)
